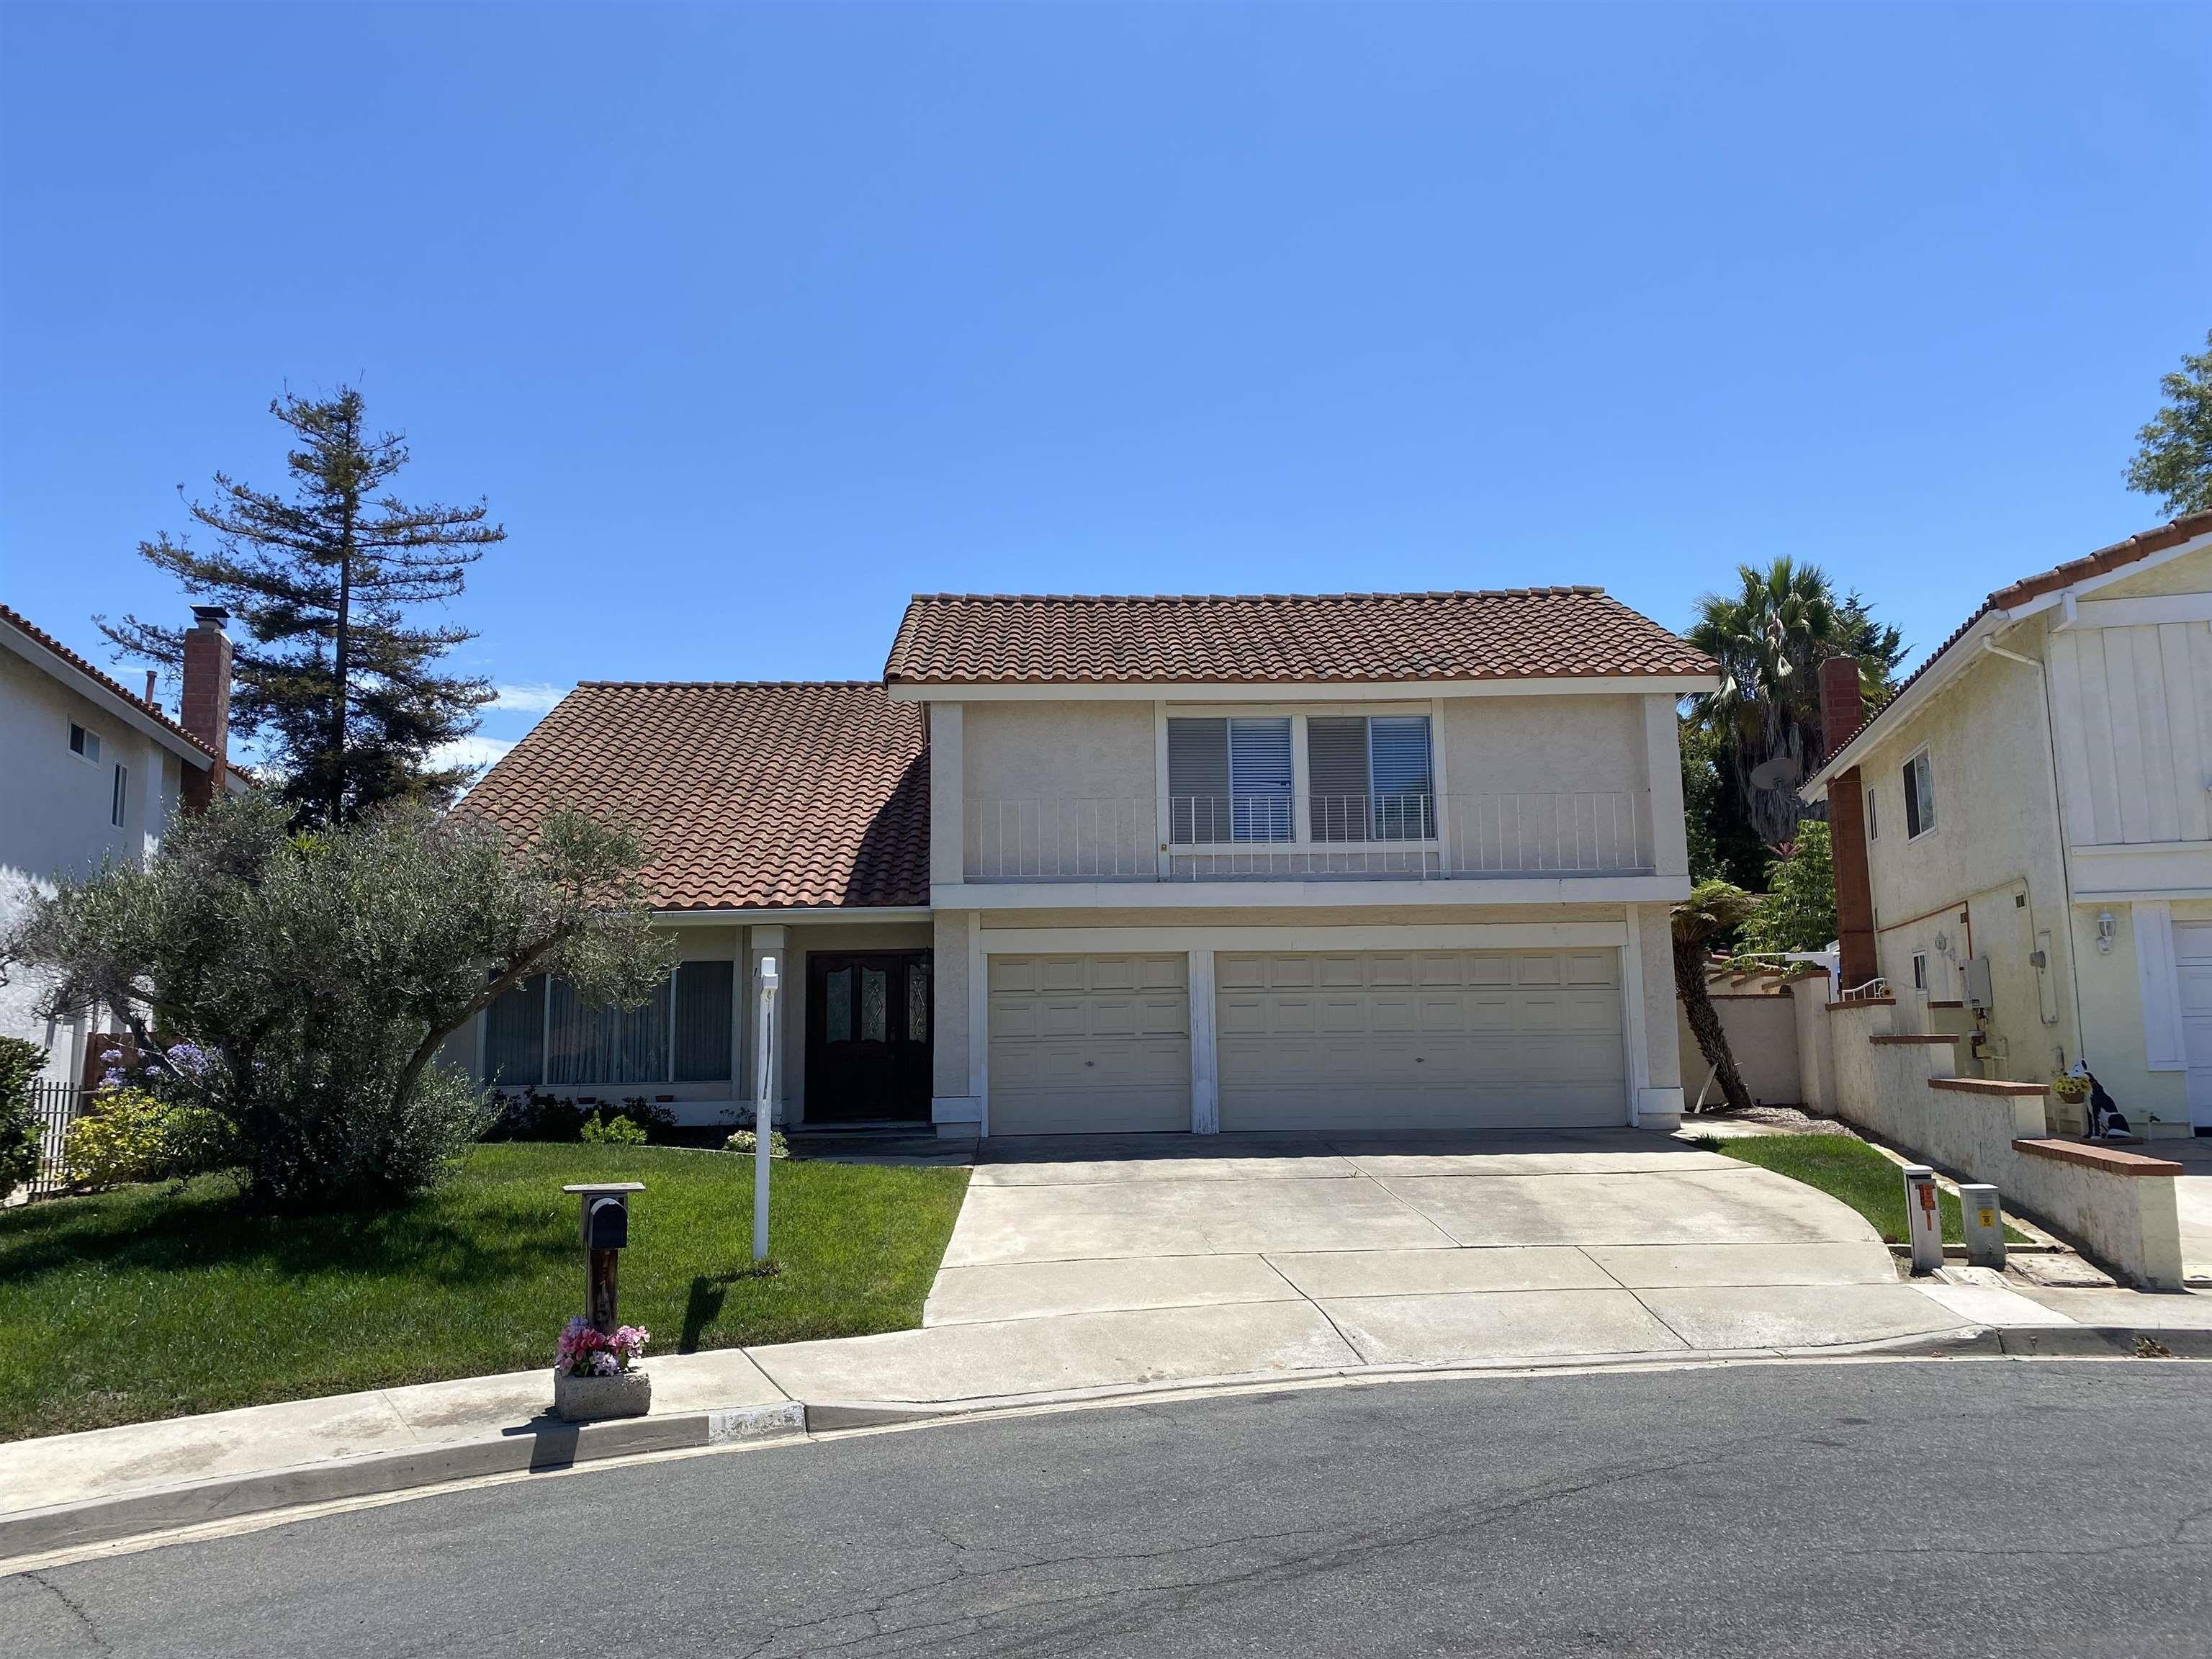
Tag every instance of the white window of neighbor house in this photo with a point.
(1919, 797)
(1920, 970)
(122, 795)
(84, 744)
(1874, 814)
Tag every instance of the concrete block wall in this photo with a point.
(1911, 1091)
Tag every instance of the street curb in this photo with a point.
(2105, 1341)
(542, 1446)
(546, 1446)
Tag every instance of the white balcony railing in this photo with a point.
(1255, 837)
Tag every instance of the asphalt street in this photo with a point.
(1930, 1508)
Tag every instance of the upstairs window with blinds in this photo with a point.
(1371, 778)
(1229, 780)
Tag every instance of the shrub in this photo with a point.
(129, 1135)
(531, 1116)
(21, 1062)
(613, 1132)
(744, 1141)
(318, 977)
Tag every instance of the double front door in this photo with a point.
(867, 1036)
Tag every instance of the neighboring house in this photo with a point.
(1090, 864)
(94, 774)
(2023, 835)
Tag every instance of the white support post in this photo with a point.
(763, 1115)
(1632, 1013)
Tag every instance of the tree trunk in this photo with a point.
(1705, 1021)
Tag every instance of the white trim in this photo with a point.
(1439, 786)
(2158, 985)
(819, 914)
(1306, 692)
(1632, 1012)
(2136, 613)
(108, 703)
(2143, 850)
(1404, 936)
(979, 1024)
(1205, 1061)
(1347, 893)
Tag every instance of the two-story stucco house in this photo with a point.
(1114, 864)
(2023, 836)
(95, 773)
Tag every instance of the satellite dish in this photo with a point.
(1778, 773)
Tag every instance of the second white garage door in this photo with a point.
(1427, 1040)
(1089, 1045)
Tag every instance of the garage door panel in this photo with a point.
(1082, 1044)
(1420, 1040)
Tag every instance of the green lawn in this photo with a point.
(152, 1301)
(1846, 1167)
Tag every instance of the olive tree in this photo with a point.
(301, 985)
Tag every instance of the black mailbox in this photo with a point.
(606, 1222)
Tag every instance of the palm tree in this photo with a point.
(1714, 910)
(1769, 638)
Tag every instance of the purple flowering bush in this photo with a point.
(584, 1351)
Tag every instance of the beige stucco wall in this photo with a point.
(1664, 1053)
(1994, 843)
(1762, 1037)
(1535, 745)
(949, 1057)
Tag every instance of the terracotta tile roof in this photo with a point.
(1207, 639)
(2103, 562)
(750, 795)
(22, 624)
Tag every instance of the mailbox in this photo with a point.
(606, 1222)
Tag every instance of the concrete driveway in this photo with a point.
(1103, 1261)
(2193, 1199)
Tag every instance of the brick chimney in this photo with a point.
(1842, 709)
(205, 710)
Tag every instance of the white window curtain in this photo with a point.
(602, 1045)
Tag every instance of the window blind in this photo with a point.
(704, 990)
(1404, 799)
(1336, 773)
(1259, 779)
(1198, 780)
(514, 1036)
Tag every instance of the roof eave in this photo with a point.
(103, 697)
(1676, 683)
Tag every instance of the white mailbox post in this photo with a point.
(763, 1108)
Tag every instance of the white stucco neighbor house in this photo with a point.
(2024, 835)
(1086, 864)
(94, 773)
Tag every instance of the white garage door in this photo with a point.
(1421, 1040)
(1089, 1045)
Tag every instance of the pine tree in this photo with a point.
(344, 693)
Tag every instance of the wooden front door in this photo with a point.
(867, 1036)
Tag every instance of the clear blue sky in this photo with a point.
(750, 321)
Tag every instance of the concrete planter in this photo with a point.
(589, 1399)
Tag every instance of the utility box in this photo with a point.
(1924, 1218)
(1984, 1217)
(1976, 976)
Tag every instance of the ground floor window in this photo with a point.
(543, 1033)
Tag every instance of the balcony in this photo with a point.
(1453, 837)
